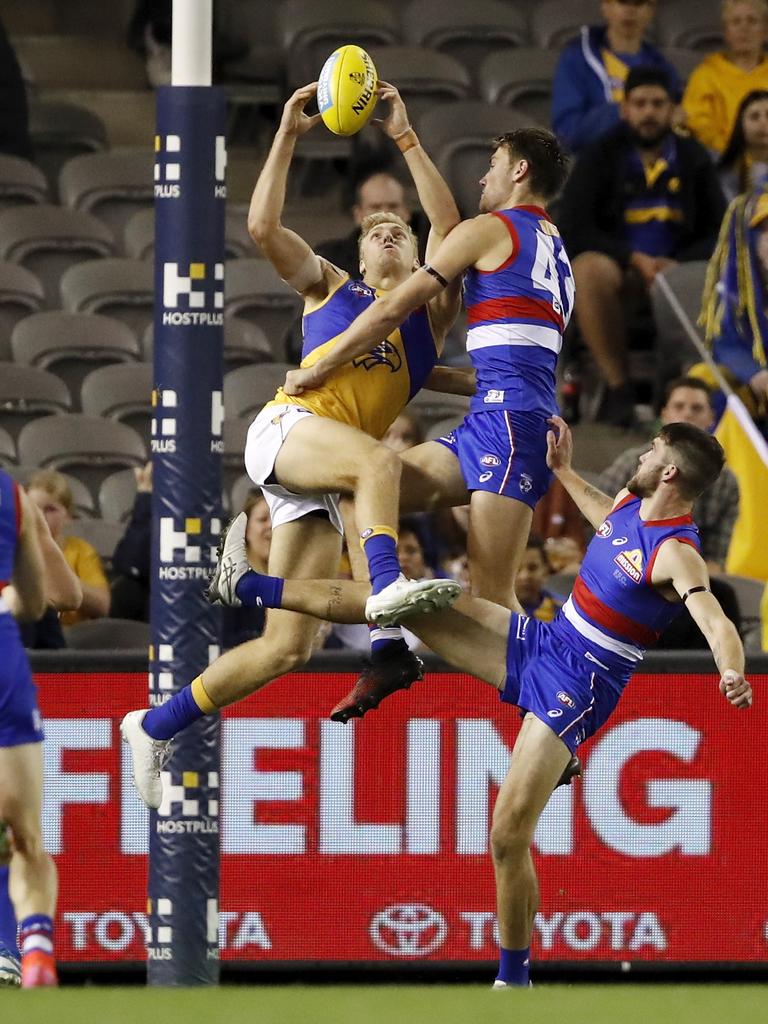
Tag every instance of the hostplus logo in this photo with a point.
(162, 681)
(164, 404)
(167, 166)
(185, 551)
(190, 804)
(193, 295)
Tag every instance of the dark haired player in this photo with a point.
(567, 676)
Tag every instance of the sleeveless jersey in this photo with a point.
(371, 391)
(10, 524)
(614, 612)
(516, 316)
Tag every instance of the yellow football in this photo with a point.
(346, 90)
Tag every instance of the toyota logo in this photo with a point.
(408, 929)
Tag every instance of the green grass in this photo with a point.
(385, 1004)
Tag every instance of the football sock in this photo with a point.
(258, 591)
(184, 708)
(380, 546)
(514, 966)
(7, 916)
(36, 932)
(386, 643)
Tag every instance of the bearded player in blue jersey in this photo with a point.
(567, 676)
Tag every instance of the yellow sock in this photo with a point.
(201, 698)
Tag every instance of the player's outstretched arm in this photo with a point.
(289, 254)
(683, 567)
(592, 503)
(452, 380)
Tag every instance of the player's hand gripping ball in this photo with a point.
(346, 90)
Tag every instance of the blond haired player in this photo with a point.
(304, 450)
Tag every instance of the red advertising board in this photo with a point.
(369, 842)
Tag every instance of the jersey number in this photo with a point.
(546, 274)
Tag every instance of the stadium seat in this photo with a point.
(316, 226)
(309, 30)
(109, 635)
(433, 406)
(20, 294)
(244, 343)
(424, 77)
(20, 183)
(60, 131)
(555, 22)
(117, 495)
(76, 62)
(71, 345)
(39, 17)
(139, 235)
(458, 136)
(248, 389)
(26, 393)
(520, 78)
(241, 489)
(87, 446)
(254, 290)
(7, 449)
(675, 352)
(48, 240)
(439, 428)
(112, 186)
(235, 433)
(257, 57)
(120, 288)
(697, 26)
(683, 60)
(749, 594)
(466, 31)
(121, 392)
(82, 500)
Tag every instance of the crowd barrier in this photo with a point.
(367, 844)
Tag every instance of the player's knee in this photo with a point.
(291, 656)
(383, 463)
(597, 270)
(27, 839)
(511, 836)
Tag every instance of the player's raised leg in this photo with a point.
(539, 762)
(32, 880)
(498, 533)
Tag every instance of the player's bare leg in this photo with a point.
(538, 761)
(32, 881)
(498, 535)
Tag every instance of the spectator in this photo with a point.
(410, 553)
(536, 600)
(589, 80)
(131, 560)
(744, 164)
(689, 401)
(50, 491)
(722, 80)
(638, 201)
(564, 554)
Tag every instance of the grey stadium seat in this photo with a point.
(697, 26)
(441, 427)
(21, 293)
(120, 288)
(458, 136)
(48, 240)
(241, 490)
(27, 393)
(244, 343)
(749, 593)
(20, 183)
(121, 392)
(522, 79)
(424, 77)
(108, 635)
(72, 345)
(79, 62)
(248, 389)
(433, 406)
(674, 350)
(82, 500)
(117, 495)
(310, 30)
(7, 449)
(683, 60)
(235, 433)
(62, 130)
(87, 446)
(254, 290)
(556, 22)
(466, 31)
(139, 235)
(112, 186)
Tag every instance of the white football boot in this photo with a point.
(407, 597)
(10, 969)
(231, 564)
(149, 757)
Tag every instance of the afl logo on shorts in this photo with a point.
(490, 460)
(605, 529)
(564, 698)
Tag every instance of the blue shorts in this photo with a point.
(556, 684)
(20, 720)
(503, 452)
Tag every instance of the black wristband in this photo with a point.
(436, 274)
(695, 590)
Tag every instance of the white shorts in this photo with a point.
(265, 439)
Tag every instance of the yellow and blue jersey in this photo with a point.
(370, 391)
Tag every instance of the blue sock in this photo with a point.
(386, 642)
(514, 966)
(7, 916)
(381, 552)
(165, 721)
(258, 591)
(36, 932)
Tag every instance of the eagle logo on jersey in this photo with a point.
(385, 354)
(631, 562)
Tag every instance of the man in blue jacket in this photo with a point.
(590, 76)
